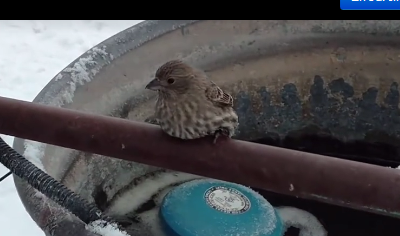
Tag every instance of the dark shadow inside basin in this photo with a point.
(337, 220)
(312, 139)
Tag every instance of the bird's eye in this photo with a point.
(170, 81)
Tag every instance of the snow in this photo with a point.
(79, 74)
(143, 191)
(31, 54)
(104, 228)
(306, 222)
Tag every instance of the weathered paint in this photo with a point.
(345, 116)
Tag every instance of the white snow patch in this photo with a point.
(32, 54)
(139, 194)
(79, 74)
(33, 152)
(398, 168)
(58, 77)
(303, 220)
(104, 228)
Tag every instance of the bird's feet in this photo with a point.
(152, 120)
(219, 132)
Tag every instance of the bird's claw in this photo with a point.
(152, 120)
(219, 132)
(216, 135)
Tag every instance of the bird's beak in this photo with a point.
(154, 85)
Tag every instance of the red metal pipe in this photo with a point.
(340, 182)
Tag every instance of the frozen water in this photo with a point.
(143, 191)
(31, 54)
(303, 220)
(80, 75)
(105, 229)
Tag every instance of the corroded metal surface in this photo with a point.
(339, 76)
(326, 179)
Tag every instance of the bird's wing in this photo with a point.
(218, 96)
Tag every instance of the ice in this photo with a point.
(80, 74)
(103, 228)
(143, 191)
(303, 220)
(33, 151)
(31, 54)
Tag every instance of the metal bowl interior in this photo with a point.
(290, 79)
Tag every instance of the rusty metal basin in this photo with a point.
(327, 87)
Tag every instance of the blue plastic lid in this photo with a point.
(211, 207)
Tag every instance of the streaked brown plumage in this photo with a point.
(189, 105)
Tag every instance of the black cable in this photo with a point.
(5, 176)
(47, 185)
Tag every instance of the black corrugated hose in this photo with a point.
(50, 187)
(5, 176)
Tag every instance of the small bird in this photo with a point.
(189, 105)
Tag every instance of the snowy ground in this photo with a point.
(31, 54)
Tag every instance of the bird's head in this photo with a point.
(173, 76)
